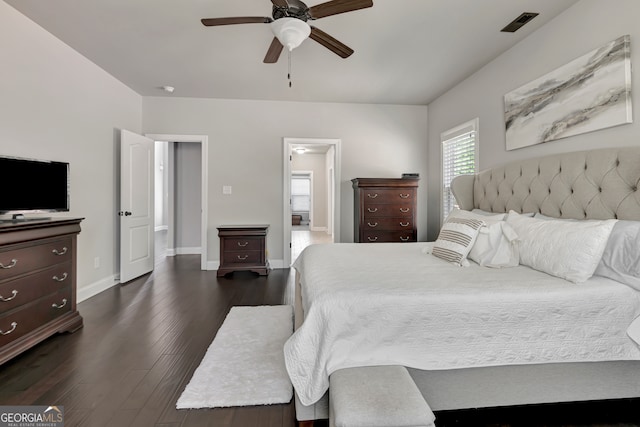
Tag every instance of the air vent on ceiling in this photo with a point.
(517, 23)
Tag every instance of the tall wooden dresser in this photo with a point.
(385, 209)
(37, 282)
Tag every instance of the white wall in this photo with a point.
(188, 203)
(57, 105)
(583, 27)
(245, 151)
(316, 164)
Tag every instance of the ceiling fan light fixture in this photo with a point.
(291, 32)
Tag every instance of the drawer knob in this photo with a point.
(243, 244)
(13, 264)
(375, 224)
(372, 239)
(14, 325)
(60, 279)
(64, 302)
(372, 210)
(404, 196)
(372, 195)
(13, 295)
(62, 252)
(404, 210)
(404, 224)
(242, 258)
(404, 239)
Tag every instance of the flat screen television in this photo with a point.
(33, 186)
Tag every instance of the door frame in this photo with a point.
(203, 140)
(288, 143)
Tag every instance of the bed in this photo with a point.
(477, 336)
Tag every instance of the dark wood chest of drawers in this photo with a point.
(37, 282)
(385, 209)
(243, 248)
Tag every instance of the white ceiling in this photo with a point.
(406, 51)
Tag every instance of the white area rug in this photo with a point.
(244, 364)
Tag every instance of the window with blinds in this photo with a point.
(300, 194)
(459, 157)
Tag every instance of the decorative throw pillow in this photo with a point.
(456, 238)
(567, 249)
(496, 246)
(621, 258)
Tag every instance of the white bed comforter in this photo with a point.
(383, 304)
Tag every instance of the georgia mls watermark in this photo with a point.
(32, 416)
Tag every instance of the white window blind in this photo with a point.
(459, 157)
(300, 194)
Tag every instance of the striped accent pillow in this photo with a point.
(456, 238)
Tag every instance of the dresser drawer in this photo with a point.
(14, 262)
(242, 257)
(387, 236)
(17, 292)
(21, 321)
(242, 243)
(387, 195)
(376, 210)
(388, 224)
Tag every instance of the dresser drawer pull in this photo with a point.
(13, 295)
(404, 224)
(64, 302)
(242, 258)
(372, 196)
(372, 210)
(242, 245)
(404, 210)
(60, 279)
(375, 224)
(13, 264)
(404, 196)
(14, 325)
(372, 239)
(404, 239)
(57, 252)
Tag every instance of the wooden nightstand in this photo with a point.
(243, 248)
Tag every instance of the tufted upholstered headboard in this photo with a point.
(594, 184)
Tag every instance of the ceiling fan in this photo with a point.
(290, 27)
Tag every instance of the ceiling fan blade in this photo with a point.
(275, 49)
(211, 22)
(280, 3)
(335, 7)
(330, 43)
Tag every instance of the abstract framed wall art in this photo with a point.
(589, 93)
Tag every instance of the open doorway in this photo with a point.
(180, 196)
(311, 207)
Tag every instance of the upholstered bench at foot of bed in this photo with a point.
(376, 396)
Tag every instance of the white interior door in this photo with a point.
(136, 205)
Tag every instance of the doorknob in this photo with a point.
(125, 213)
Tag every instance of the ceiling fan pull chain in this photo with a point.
(289, 73)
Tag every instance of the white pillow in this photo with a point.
(496, 246)
(456, 238)
(567, 249)
(621, 258)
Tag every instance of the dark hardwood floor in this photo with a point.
(142, 341)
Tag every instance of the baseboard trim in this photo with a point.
(188, 251)
(93, 289)
(318, 229)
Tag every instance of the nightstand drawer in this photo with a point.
(242, 257)
(243, 244)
